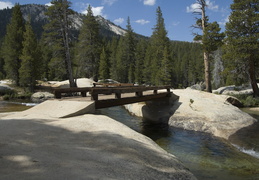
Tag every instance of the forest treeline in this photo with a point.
(58, 55)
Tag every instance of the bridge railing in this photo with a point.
(113, 84)
(118, 91)
(59, 91)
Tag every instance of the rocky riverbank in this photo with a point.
(37, 145)
(199, 111)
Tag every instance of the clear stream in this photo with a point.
(206, 156)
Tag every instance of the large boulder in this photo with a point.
(199, 86)
(206, 112)
(5, 89)
(39, 97)
(82, 82)
(196, 110)
(235, 90)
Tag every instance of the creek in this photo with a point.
(206, 156)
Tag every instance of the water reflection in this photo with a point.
(155, 131)
(6, 106)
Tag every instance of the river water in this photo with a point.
(206, 156)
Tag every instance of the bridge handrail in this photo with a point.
(59, 91)
(120, 90)
(113, 84)
(95, 91)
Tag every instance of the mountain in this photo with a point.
(39, 19)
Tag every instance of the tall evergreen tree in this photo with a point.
(242, 31)
(88, 47)
(113, 62)
(12, 46)
(2, 71)
(121, 61)
(104, 65)
(130, 41)
(165, 73)
(30, 59)
(155, 52)
(140, 57)
(211, 39)
(57, 35)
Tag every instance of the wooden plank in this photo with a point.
(129, 100)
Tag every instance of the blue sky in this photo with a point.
(177, 13)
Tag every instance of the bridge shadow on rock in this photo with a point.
(56, 149)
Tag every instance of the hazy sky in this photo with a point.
(177, 13)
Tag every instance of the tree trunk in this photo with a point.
(205, 54)
(253, 77)
(67, 49)
(207, 72)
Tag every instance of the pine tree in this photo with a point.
(104, 65)
(158, 43)
(130, 51)
(121, 63)
(211, 40)
(30, 59)
(88, 47)
(242, 31)
(2, 72)
(165, 73)
(140, 57)
(57, 35)
(12, 46)
(113, 45)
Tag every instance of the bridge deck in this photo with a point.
(114, 96)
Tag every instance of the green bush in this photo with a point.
(15, 95)
(250, 101)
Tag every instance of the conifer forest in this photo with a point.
(54, 49)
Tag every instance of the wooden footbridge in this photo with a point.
(109, 95)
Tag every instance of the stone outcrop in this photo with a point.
(206, 112)
(235, 90)
(5, 89)
(39, 97)
(199, 111)
(40, 146)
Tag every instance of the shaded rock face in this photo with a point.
(39, 97)
(157, 111)
(5, 89)
(206, 112)
(234, 101)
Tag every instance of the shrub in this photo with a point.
(250, 101)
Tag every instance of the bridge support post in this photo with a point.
(139, 93)
(117, 95)
(83, 94)
(94, 97)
